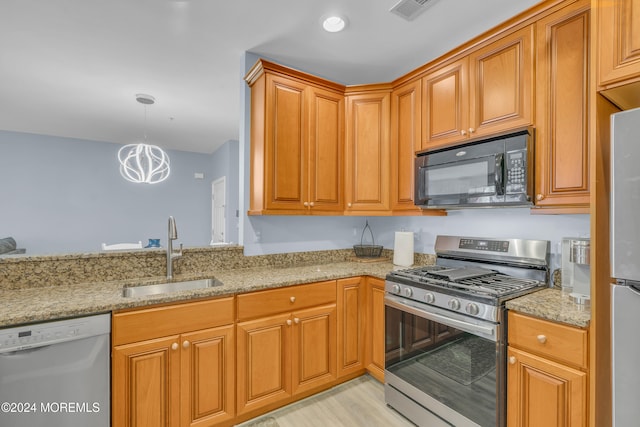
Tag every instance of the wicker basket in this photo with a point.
(367, 251)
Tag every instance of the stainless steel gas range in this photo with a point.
(445, 329)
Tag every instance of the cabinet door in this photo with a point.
(326, 150)
(208, 380)
(314, 346)
(445, 112)
(619, 40)
(350, 326)
(544, 393)
(562, 142)
(367, 153)
(375, 355)
(146, 383)
(500, 84)
(405, 141)
(285, 144)
(263, 362)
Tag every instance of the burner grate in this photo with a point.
(479, 281)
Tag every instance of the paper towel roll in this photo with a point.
(403, 249)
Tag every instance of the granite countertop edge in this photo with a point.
(31, 305)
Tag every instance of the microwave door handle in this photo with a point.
(498, 175)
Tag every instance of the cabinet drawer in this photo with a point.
(563, 343)
(263, 303)
(139, 325)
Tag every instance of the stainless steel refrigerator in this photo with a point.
(625, 266)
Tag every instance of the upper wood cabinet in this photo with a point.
(562, 98)
(406, 135)
(297, 142)
(367, 167)
(618, 41)
(487, 91)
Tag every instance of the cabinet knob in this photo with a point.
(471, 130)
(174, 346)
(541, 339)
(540, 197)
(296, 320)
(349, 205)
(305, 204)
(186, 344)
(289, 322)
(512, 360)
(292, 299)
(311, 204)
(463, 132)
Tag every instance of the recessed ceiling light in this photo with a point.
(333, 24)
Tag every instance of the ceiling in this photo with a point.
(72, 68)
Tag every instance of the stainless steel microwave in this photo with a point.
(485, 172)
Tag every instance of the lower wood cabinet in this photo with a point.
(351, 323)
(546, 374)
(375, 351)
(283, 354)
(164, 378)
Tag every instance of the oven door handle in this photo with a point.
(402, 305)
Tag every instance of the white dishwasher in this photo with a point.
(56, 374)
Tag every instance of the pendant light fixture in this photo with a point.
(144, 163)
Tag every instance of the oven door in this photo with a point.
(471, 181)
(442, 368)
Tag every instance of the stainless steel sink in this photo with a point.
(164, 288)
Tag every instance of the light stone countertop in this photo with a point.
(37, 304)
(28, 305)
(551, 304)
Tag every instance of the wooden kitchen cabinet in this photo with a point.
(618, 41)
(164, 378)
(297, 142)
(367, 153)
(286, 344)
(375, 324)
(486, 92)
(562, 125)
(351, 324)
(546, 373)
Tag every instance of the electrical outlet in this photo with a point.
(258, 237)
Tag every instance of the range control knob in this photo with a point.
(429, 298)
(395, 289)
(408, 292)
(472, 308)
(454, 304)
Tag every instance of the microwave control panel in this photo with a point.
(516, 166)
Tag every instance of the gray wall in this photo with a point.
(63, 195)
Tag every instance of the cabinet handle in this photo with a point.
(512, 360)
(540, 197)
(174, 346)
(289, 322)
(292, 299)
(471, 130)
(296, 320)
(463, 132)
(541, 339)
(186, 344)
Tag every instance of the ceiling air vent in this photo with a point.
(409, 9)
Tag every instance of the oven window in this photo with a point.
(453, 367)
(474, 177)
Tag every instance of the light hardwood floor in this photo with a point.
(357, 403)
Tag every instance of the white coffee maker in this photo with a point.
(576, 270)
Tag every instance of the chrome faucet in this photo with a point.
(171, 254)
